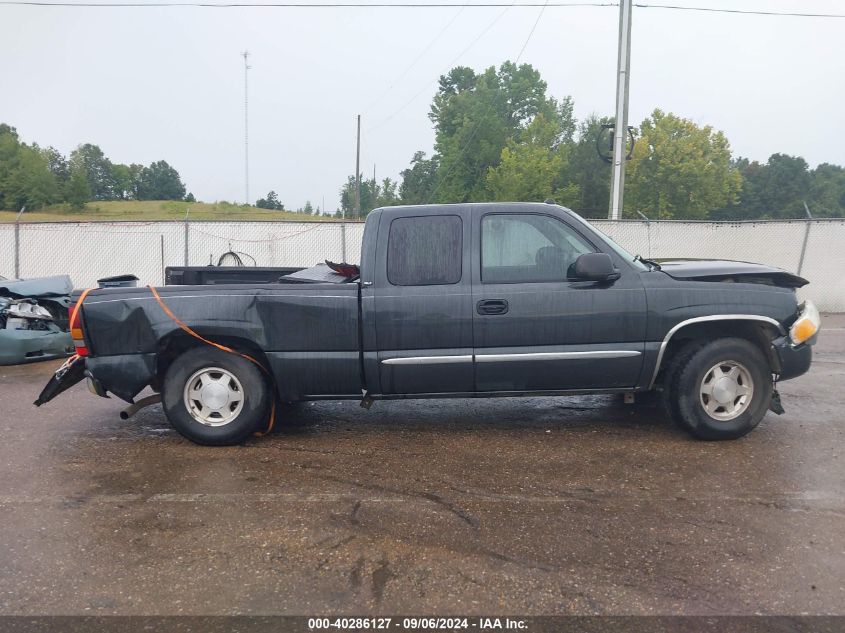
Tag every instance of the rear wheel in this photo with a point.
(214, 397)
(719, 390)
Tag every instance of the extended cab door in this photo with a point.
(423, 300)
(536, 328)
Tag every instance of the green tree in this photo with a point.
(97, 168)
(270, 202)
(77, 192)
(10, 147)
(827, 191)
(29, 181)
(775, 189)
(160, 181)
(386, 195)
(418, 180)
(531, 166)
(57, 164)
(785, 187)
(26, 173)
(308, 208)
(125, 181)
(679, 170)
(474, 116)
(373, 196)
(588, 171)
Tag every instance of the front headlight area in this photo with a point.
(807, 324)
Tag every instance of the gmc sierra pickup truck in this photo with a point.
(467, 300)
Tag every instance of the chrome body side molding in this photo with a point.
(428, 360)
(498, 358)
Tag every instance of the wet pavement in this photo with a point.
(539, 506)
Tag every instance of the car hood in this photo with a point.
(57, 286)
(729, 271)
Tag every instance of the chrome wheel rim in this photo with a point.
(213, 396)
(726, 390)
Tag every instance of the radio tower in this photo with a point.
(246, 123)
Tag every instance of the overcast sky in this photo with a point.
(167, 83)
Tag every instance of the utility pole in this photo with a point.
(246, 123)
(620, 129)
(18, 243)
(358, 172)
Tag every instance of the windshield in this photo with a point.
(636, 263)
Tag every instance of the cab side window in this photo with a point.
(425, 251)
(528, 248)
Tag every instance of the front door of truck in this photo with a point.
(535, 327)
(423, 302)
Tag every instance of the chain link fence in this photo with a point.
(88, 251)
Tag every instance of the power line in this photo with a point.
(393, 83)
(477, 125)
(740, 11)
(531, 33)
(304, 5)
(489, 26)
(403, 5)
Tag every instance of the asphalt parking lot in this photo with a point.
(578, 505)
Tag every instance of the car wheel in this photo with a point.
(720, 390)
(214, 397)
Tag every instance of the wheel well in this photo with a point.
(759, 333)
(180, 342)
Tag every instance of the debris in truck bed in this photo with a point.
(320, 273)
(350, 271)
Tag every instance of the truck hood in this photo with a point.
(730, 272)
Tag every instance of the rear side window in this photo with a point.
(425, 250)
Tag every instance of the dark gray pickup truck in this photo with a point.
(468, 300)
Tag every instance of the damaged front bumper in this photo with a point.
(28, 346)
(29, 333)
(794, 360)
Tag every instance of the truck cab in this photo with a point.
(488, 299)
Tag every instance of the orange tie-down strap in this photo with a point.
(271, 422)
(73, 316)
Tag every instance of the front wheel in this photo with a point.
(720, 390)
(214, 397)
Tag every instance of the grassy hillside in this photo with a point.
(152, 210)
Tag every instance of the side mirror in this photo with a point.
(595, 267)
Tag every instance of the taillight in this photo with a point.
(76, 332)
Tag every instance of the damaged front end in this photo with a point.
(28, 333)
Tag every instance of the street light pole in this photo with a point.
(620, 129)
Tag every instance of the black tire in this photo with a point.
(252, 416)
(671, 377)
(687, 373)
